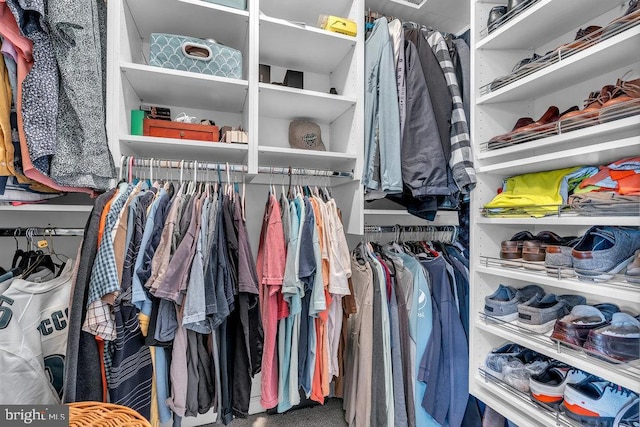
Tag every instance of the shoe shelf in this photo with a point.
(286, 44)
(521, 411)
(557, 55)
(155, 85)
(632, 221)
(591, 62)
(283, 102)
(624, 127)
(617, 286)
(204, 20)
(182, 149)
(624, 374)
(543, 22)
(555, 416)
(285, 156)
(534, 159)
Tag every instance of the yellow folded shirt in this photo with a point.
(540, 190)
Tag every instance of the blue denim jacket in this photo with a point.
(382, 115)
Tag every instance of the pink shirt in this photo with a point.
(270, 267)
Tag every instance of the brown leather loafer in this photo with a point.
(588, 116)
(498, 140)
(542, 124)
(624, 101)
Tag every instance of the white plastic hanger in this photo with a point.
(123, 162)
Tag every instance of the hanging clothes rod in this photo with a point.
(41, 232)
(451, 231)
(224, 167)
(408, 228)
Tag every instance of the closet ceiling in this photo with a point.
(452, 16)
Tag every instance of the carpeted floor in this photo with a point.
(331, 414)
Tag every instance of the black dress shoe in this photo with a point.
(516, 4)
(494, 15)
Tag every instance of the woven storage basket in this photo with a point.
(99, 414)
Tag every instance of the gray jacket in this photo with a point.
(442, 103)
(424, 165)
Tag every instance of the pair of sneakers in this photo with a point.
(584, 397)
(534, 310)
(503, 303)
(515, 365)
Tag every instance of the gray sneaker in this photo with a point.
(503, 303)
(604, 251)
(540, 316)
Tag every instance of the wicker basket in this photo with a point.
(99, 414)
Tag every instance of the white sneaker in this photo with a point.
(596, 403)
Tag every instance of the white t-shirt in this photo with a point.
(33, 339)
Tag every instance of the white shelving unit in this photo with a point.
(280, 34)
(541, 28)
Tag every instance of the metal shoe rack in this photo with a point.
(565, 81)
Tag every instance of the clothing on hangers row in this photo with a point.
(166, 314)
(407, 356)
(171, 299)
(417, 142)
(303, 268)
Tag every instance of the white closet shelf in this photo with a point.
(283, 102)
(625, 375)
(518, 410)
(162, 86)
(402, 217)
(179, 149)
(617, 129)
(203, 20)
(596, 154)
(304, 11)
(302, 48)
(311, 159)
(544, 22)
(592, 62)
(632, 221)
(621, 291)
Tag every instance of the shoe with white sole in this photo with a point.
(605, 251)
(503, 303)
(495, 360)
(540, 316)
(595, 402)
(548, 387)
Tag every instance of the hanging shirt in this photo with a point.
(33, 339)
(289, 329)
(270, 268)
(306, 273)
(420, 327)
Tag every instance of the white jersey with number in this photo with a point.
(33, 340)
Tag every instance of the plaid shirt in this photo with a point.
(104, 275)
(100, 321)
(461, 161)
